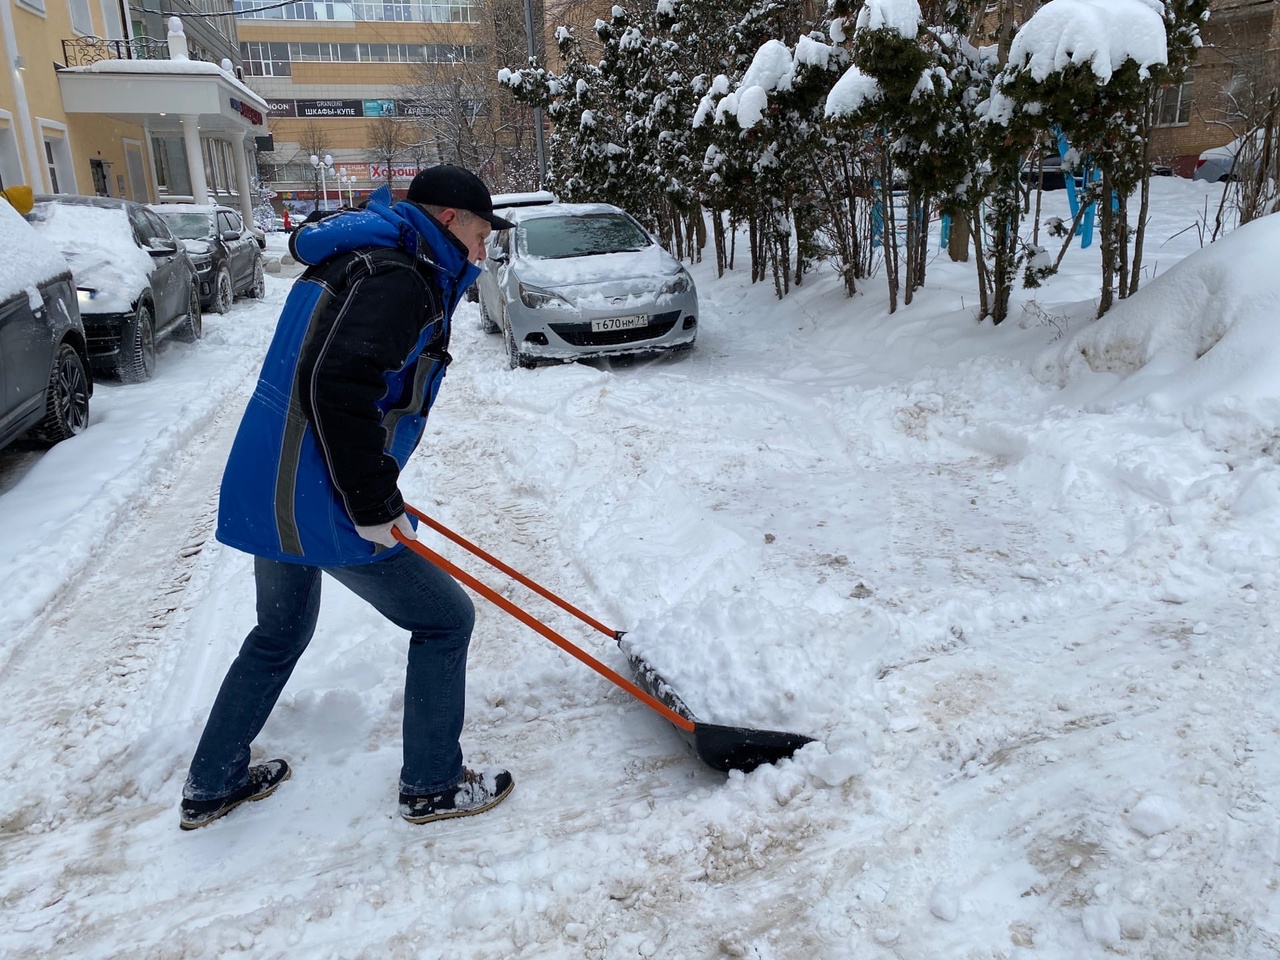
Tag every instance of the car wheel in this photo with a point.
(486, 321)
(223, 292)
(259, 288)
(66, 398)
(191, 329)
(136, 361)
(514, 357)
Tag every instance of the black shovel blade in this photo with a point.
(720, 747)
(741, 748)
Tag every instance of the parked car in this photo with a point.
(135, 282)
(532, 198)
(227, 257)
(45, 384)
(1050, 167)
(1219, 164)
(575, 280)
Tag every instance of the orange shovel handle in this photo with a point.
(537, 625)
(511, 572)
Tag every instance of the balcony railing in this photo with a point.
(83, 51)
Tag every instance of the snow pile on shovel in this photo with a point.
(723, 658)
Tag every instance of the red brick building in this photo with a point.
(1236, 69)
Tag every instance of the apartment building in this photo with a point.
(89, 106)
(335, 77)
(1237, 68)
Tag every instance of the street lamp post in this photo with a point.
(539, 143)
(322, 166)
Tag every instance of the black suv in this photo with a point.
(134, 280)
(44, 360)
(226, 254)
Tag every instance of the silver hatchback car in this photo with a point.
(577, 280)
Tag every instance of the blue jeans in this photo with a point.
(409, 591)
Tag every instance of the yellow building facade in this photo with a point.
(83, 114)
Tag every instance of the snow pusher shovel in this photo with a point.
(722, 747)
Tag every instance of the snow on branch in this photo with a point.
(1100, 33)
(851, 93)
(900, 16)
(771, 69)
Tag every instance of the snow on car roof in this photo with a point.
(518, 214)
(28, 258)
(188, 207)
(97, 240)
(530, 199)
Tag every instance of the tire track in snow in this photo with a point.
(81, 688)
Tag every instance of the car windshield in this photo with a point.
(189, 226)
(581, 236)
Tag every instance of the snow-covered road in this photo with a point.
(1034, 635)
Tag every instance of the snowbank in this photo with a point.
(1207, 328)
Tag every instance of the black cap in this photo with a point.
(445, 185)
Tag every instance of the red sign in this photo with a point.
(246, 111)
(378, 171)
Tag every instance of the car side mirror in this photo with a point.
(230, 234)
(499, 256)
(162, 248)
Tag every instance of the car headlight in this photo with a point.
(537, 297)
(202, 264)
(680, 283)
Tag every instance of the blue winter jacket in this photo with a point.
(357, 358)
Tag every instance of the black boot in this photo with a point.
(263, 780)
(475, 794)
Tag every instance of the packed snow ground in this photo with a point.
(1019, 582)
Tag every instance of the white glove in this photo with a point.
(381, 532)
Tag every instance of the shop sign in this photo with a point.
(379, 108)
(378, 171)
(329, 108)
(246, 111)
(281, 108)
(417, 108)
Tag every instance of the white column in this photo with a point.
(241, 163)
(195, 159)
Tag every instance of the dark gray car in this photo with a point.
(44, 360)
(134, 281)
(226, 254)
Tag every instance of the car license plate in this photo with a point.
(605, 324)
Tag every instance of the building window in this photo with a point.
(1173, 108)
(396, 11)
(112, 25)
(162, 163)
(35, 6)
(81, 18)
(57, 162)
(101, 177)
(170, 156)
(262, 59)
